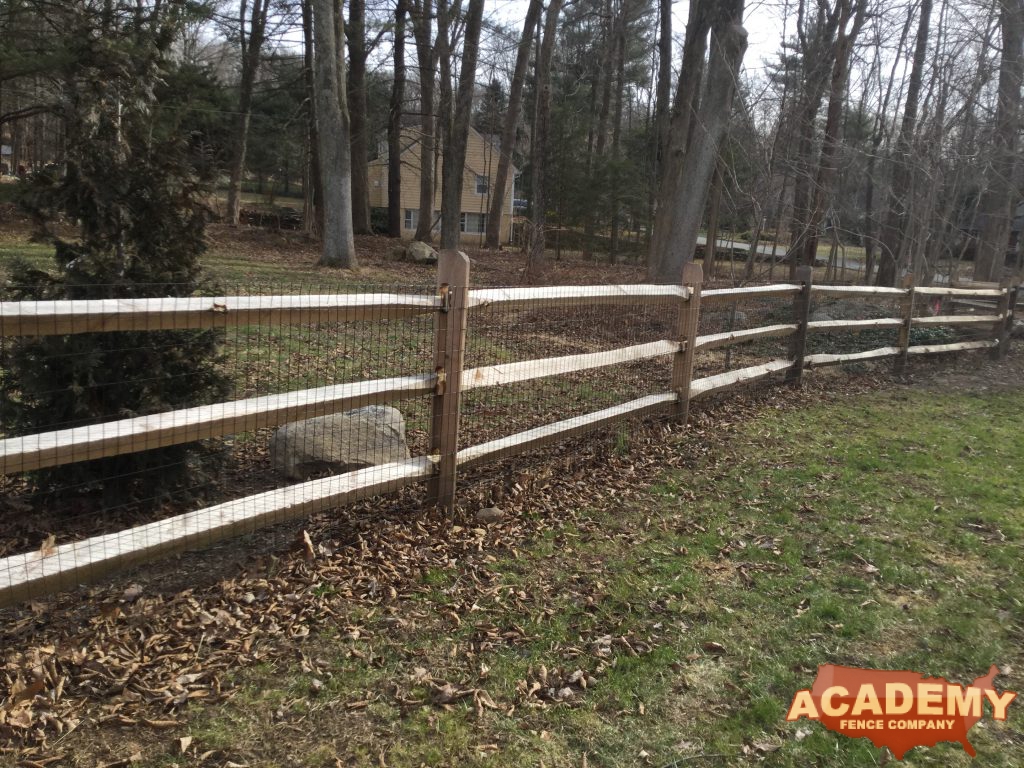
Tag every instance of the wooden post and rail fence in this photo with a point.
(70, 564)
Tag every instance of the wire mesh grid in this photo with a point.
(191, 433)
(844, 341)
(252, 417)
(593, 335)
(738, 315)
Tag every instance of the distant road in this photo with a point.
(764, 251)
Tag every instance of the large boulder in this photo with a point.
(420, 253)
(341, 442)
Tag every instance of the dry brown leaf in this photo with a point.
(49, 546)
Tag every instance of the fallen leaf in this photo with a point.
(49, 546)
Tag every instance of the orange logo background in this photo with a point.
(898, 710)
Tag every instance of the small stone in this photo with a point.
(564, 693)
(489, 515)
(420, 253)
(132, 593)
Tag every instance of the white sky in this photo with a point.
(762, 20)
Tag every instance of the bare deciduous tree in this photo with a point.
(339, 248)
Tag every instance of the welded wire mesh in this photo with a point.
(738, 315)
(574, 328)
(204, 420)
(857, 308)
(137, 436)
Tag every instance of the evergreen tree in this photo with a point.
(136, 193)
(490, 113)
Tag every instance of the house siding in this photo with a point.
(481, 159)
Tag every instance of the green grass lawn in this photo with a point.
(882, 531)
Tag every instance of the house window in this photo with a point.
(473, 223)
(482, 184)
(412, 218)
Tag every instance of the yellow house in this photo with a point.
(477, 185)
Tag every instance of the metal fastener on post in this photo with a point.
(449, 345)
(689, 318)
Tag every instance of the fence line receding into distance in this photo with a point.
(454, 307)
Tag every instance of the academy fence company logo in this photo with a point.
(898, 710)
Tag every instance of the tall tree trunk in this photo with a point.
(453, 163)
(896, 220)
(802, 174)
(877, 137)
(684, 106)
(510, 125)
(312, 214)
(715, 205)
(662, 102)
(845, 39)
(357, 115)
(687, 172)
(395, 127)
(535, 259)
(425, 59)
(339, 248)
(620, 87)
(595, 187)
(999, 201)
(817, 51)
(252, 52)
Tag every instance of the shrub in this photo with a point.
(136, 203)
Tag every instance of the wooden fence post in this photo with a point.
(1004, 327)
(801, 314)
(689, 317)
(449, 345)
(907, 313)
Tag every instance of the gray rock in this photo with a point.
(820, 317)
(341, 442)
(489, 515)
(739, 318)
(421, 253)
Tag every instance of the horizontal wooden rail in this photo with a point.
(938, 290)
(716, 340)
(28, 575)
(975, 284)
(42, 318)
(853, 326)
(987, 304)
(574, 295)
(963, 346)
(850, 357)
(722, 381)
(112, 438)
(561, 430)
(856, 290)
(510, 373)
(957, 319)
(775, 290)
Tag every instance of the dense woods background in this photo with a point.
(886, 130)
